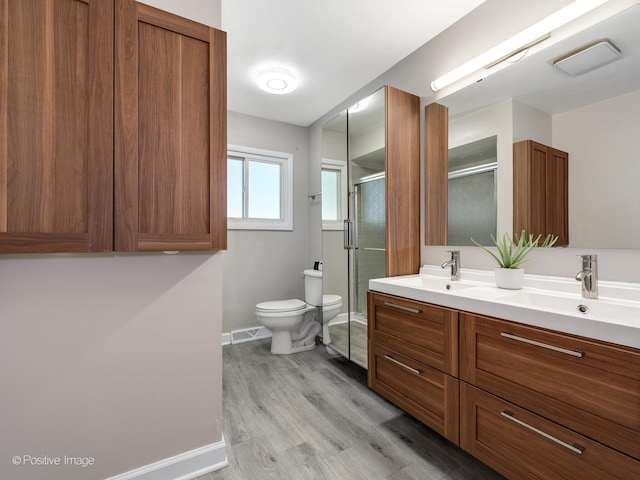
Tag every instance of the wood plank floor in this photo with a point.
(312, 416)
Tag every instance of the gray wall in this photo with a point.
(267, 265)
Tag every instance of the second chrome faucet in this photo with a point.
(454, 263)
(589, 276)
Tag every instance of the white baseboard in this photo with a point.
(185, 466)
(226, 338)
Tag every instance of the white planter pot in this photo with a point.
(509, 278)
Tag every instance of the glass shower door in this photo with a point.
(368, 258)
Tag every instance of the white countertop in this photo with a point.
(546, 302)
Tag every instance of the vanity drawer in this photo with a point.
(424, 332)
(589, 386)
(525, 446)
(426, 393)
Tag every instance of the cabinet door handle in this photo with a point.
(402, 307)
(574, 448)
(575, 353)
(412, 370)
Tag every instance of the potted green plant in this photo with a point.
(511, 254)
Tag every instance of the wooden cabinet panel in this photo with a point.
(436, 180)
(525, 446)
(426, 393)
(402, 182)
(557, 194)
(56, 125)
(423, 332)
(540, 190)
(588, 386)
(170, 155)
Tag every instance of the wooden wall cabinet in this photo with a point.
(170, 132)
(56, 126)
(540, 190)
(413, 359)
(402, 142)
(61, 162)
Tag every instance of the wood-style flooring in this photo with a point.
(311, 416)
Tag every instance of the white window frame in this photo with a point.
(285, 160)
(341, 166)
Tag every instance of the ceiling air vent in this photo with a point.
(587, 58)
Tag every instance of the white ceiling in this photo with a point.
(334, 47)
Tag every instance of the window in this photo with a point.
(334, 193)
(259, 189)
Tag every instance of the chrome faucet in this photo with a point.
(454, 263)
(589, 276)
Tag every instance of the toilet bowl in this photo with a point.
(331, 307)
(282, 317)
(295, 324)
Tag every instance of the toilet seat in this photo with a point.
(331, 300)
(281, 306)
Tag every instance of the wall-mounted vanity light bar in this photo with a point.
(518, 43)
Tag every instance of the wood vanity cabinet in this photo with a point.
(524, 380)
(540, 190)
(524, 446)
(170, 132)
(64, 167)
(56, 126)
(413, 359)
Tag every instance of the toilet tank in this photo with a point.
(313, 287)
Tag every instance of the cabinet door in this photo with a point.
(529, 188)
(540, 190)
(557, 195)
(589, 386)
(56, 125)
(524, 446)
(426, 393)
(427, 333)
(170, 132)
(403, 180)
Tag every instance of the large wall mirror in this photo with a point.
(594, 116)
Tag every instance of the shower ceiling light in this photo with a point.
(276, 80)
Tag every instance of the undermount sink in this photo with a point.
(600, 309)
(432, 283)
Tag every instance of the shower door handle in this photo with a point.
(348, 234)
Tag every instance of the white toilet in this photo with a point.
(331, 307)
(294, 324)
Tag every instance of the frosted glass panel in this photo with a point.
(371, 221)
(472, 208)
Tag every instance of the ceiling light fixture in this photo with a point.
(523, 40)
(359, 106)
(278, 81)
(587, 58)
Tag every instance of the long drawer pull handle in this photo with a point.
(574, 448)
(575, 353)
(412, 370)
(402, 307)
